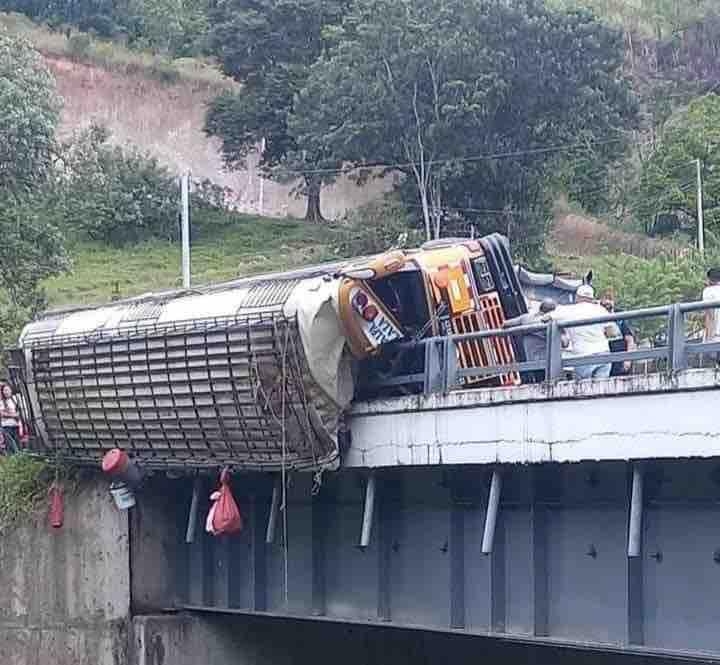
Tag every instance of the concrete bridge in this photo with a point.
(580, 514)
(541, 523)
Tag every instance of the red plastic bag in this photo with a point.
(56, 515)
(224, 514)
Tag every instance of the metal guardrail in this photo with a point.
(442, 373)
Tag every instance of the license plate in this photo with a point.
(381, 330)
(378, 330)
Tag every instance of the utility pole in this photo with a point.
(185, 230)
(261, 203)
(701, 221)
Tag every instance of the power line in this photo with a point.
(449, 160)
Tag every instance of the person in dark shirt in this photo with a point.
(622, 340)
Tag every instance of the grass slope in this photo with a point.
(113, 56)
(239, 245)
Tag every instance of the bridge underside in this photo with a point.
(558, 570)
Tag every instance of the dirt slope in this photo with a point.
(166, 120)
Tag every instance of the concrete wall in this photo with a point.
(241, 640)
(65, 594)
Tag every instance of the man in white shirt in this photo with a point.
(712, 316)
(586, 340)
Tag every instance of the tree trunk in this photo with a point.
(313, 212)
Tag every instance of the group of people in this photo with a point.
(582, 340)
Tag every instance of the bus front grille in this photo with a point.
(484, 352)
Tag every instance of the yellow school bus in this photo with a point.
(258, 372)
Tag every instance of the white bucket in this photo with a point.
(123, 496)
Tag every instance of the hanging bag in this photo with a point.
(225, 516)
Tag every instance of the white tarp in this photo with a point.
(315, 304)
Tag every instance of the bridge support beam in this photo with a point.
(636, 514)
(387, 494)
(457, 558)
(319, 531)
(368, 511)
(539, 547)
(492, 512)
(194, 508)
(259, 548)
(272, 517)
(635, 605)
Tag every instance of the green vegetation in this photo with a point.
(31, 248)
(668, 176)
(24, 483)
(422, 87)
(176, 28)
(226, 246)
(268, 47)
(113, 55)
(649, 18)
(113, 195)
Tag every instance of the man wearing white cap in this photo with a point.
(586, 340)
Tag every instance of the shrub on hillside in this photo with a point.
(114, 195)
(637, 283)
(376, 227)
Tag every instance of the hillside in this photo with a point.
(158, 105)
(245, 246)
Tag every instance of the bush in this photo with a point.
(113, 195)
(79, 46)
(637, 283)
(24, 482)
(376, 227)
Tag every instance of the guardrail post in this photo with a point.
(450, 365)
(676, 339)
(553, 366)
(434, 377)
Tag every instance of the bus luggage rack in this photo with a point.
(194, 395)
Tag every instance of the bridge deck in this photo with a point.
(636, 417)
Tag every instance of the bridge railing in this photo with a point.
(442, 372)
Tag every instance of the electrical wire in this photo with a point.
(449, 160)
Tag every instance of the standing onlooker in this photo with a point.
(711, 293)
(622, 338)
(586, 340)
(712, 316)
(9, 418)
(534, 343)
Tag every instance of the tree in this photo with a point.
(668, 177)
(268, 46)
(30, 113)
(31, 248)
(465, 97)
(113, 195)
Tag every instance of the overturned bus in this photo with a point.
(256, 373)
